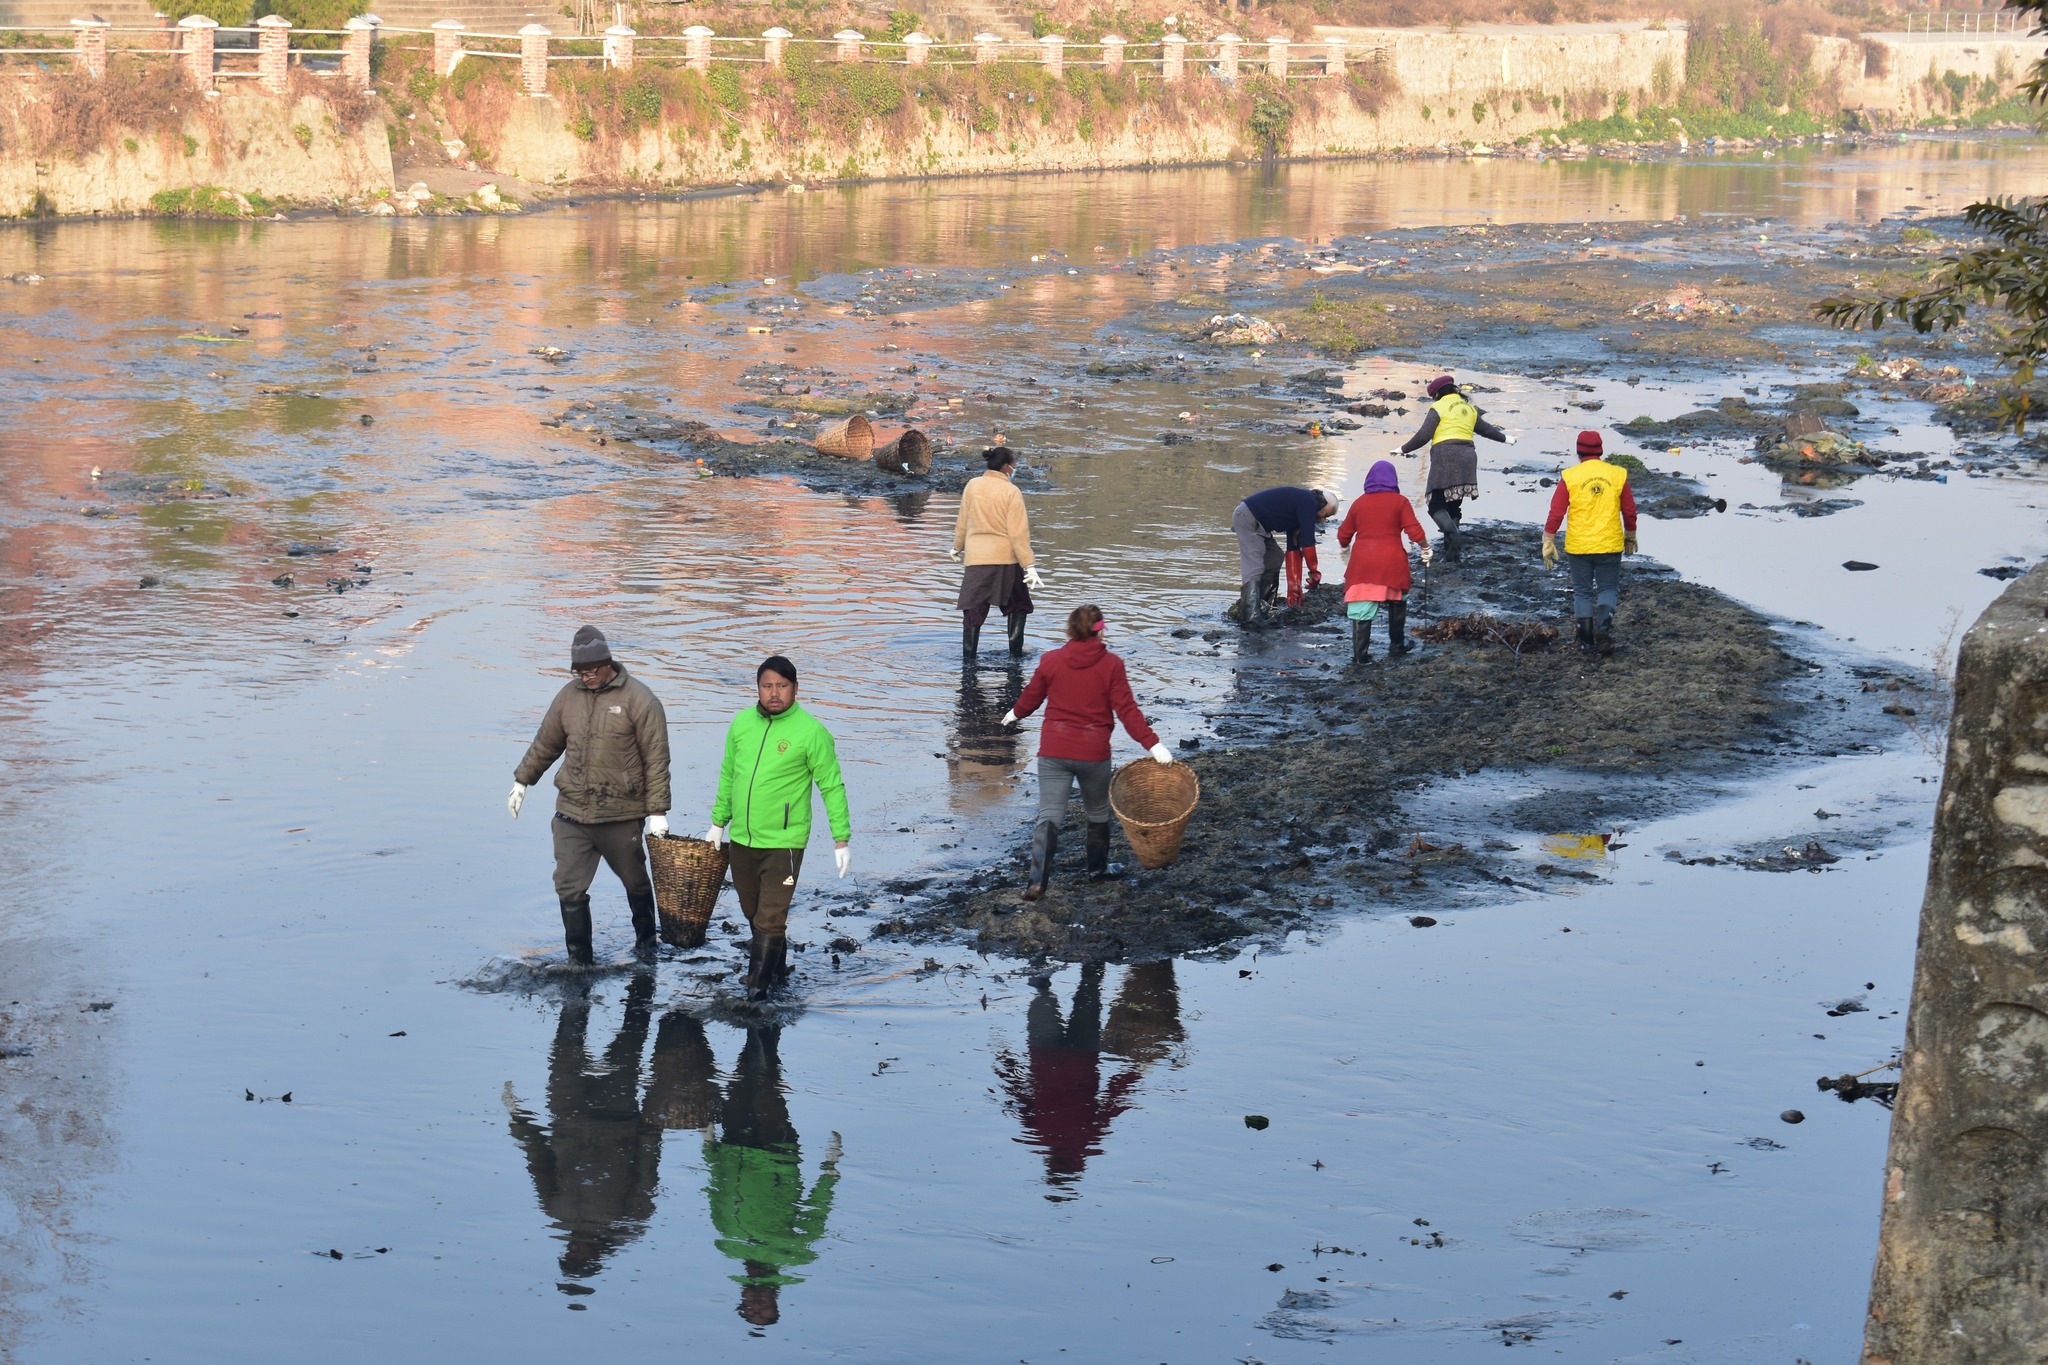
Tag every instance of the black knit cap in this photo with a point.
(998, 456)
(588, 648)
(775, 663)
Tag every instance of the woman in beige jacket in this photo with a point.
(993, 536)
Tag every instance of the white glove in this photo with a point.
(657, 826)
(842, 858)
(954, 554)
(1426, 553)
(715, 835)
(516, 799)
(1032, 580)
(1009, 718)
(1511, 438)
(1161, 754)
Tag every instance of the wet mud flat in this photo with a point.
(1303, 811)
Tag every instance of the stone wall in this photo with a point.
(1899, 77)
(1964, 1237)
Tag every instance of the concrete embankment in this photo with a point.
(242, 151)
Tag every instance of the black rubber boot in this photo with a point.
(970, 640)
(576, 930)
(778, 961)
(1397, 629)
(1014, 625)
(1603, 633)
(1100, 868)
(1269, 590)
(1045, 841)
(1361, 641)
(1447, 522)
(1585, 635)
(764, 953)
(1251, 606)
(645, 944)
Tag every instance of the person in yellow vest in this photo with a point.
(1595, 506)
(1448, 427)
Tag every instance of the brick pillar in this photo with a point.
(917, 49)
(1226, 55)
(1173, 57)
(618, 48)
(359, 33)
(1052, 54)
(89, 40)
(987, 48)
(195, 44)
(1333, 59)
(697, 47)
(273, 52)
(1112, 54)
(533, 60)
(447, 46)
(773, 44)
(1276, 56)
(849, 41)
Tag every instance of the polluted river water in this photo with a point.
(259, 850)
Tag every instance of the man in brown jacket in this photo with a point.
(615, 736)
(994, 536)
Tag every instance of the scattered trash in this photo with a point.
(1793, 1116)
(1687, 302)
(1850, 1088)
(1857, 566)
(1520, 636)
(1242, 329)
(2003, 572)
(1258, 1122)
(149, 580)
(1422, 921)
(553, 354)
(300, 551)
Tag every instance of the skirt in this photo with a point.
(1000, 586)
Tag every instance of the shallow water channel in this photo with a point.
(257, 841)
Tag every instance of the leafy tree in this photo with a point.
(2010, 274)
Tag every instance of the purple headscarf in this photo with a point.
(1382, 479)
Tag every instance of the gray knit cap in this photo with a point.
(588, 648)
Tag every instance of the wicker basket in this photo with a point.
(910, 453)
(1153, 802)
(687, 875)
(853, 438)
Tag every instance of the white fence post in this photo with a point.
(533, 60)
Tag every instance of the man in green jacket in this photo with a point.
(615, 735)
(775, 752)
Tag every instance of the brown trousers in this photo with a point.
(765, 879)
(579, 848)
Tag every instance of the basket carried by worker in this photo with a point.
(853, 438)
(910, 453)
(687, 875)
(1153, 802)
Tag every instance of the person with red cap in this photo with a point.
(1595, 506)
(1086, 692)
(1447, 429)
(1377, 572)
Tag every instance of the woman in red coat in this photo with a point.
(1087, 693)
(1378, 568)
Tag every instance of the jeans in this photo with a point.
(1596, 585)
(1056, 778)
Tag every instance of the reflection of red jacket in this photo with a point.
(1087, 693)
(1377, 521)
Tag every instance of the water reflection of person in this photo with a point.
(981, 750)
(595, 1164)
(1056, 1090)
(764, 1218)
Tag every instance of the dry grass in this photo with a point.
(75, 116)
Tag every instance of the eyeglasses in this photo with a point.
(586, 670)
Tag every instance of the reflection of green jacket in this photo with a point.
(764, 785)
(760, 1210)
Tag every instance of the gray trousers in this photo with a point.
(1596, 584)
(579, 847)
(1258, 554)
(1056, 778)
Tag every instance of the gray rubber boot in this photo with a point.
(1448, 524)
(1251, 606)
(576, 930)
(1045, 841)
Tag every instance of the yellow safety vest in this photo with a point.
(1593, 526)
(1456, 419)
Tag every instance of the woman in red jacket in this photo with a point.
(1378, 569)
(1087, 693)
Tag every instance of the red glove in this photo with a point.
(1315, 573)
(1294, 578)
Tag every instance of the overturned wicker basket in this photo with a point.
(910, 453)
(687, 875)
(1153, 801)
(854, 438)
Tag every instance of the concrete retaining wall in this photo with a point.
(1899, 77)
(1963, 1251)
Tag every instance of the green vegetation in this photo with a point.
(208, 201)
(226, 13)
(1272, 117)
(303, 135)
(1338, 327)
(1631, 463)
